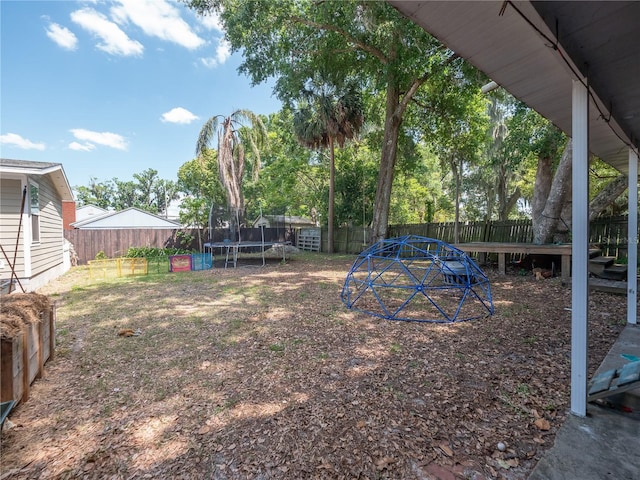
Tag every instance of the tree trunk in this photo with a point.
(456, 169)
(599, 203)
(332, 195)
(199, 231)
(544, 225)
(393, 119)
(607, 195)
(501, 187)
(510, 204)
(491, 201)
(394, 113)
(544, 177)
(506, 201)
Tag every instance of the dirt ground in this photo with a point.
(262, 373)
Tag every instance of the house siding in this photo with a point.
(47, 258)
(47, 254)
(9, 220)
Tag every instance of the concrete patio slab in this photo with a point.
(606, 443)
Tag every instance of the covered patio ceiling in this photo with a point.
(536, 49)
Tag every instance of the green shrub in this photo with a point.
(185, 238)
(625, 260)
(101, 255)
(153, 252)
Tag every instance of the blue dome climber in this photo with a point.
(417, 279)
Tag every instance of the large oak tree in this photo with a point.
(371, 41)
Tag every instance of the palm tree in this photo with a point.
(325, 117)
(240, 128)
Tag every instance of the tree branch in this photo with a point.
(417, 83)
(346, 35)
(316, 52)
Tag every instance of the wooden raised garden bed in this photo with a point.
(27, 341)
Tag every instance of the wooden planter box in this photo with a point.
(22, 358)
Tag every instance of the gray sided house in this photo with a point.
(31, 223)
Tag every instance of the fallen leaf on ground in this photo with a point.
(542, 424)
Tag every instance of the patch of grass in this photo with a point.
(106, 410)
(532, 340)
(519, 410)
(399, 395)
(523, 389)
(229, 403)
(235, 324)
(395, 348)
(61, 351)
(276, 347)
(513, 310)
(162, 392)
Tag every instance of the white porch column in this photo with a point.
(580, 249)
(632, 235)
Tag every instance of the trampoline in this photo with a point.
(232, 249)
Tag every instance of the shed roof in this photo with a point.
(294, 220)
(129, 218)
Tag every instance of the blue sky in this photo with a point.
(112, 88)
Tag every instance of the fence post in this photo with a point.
(483, 235)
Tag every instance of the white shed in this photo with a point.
(89, 211)
(129, 218)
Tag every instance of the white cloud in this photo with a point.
(62, 36)
(82, 147)
(211, 22)
(113, 39)
(223, 52)
(17, 141)
(107, 139)
(157, 18)
(178, 115)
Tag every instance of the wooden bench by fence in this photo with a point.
(564, 250)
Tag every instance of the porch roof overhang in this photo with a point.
(535, 49)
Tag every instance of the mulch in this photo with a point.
(262, 373)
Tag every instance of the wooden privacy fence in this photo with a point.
(116, 242)
(514, 231)
(610, 233)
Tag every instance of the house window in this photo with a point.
(34, 211)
